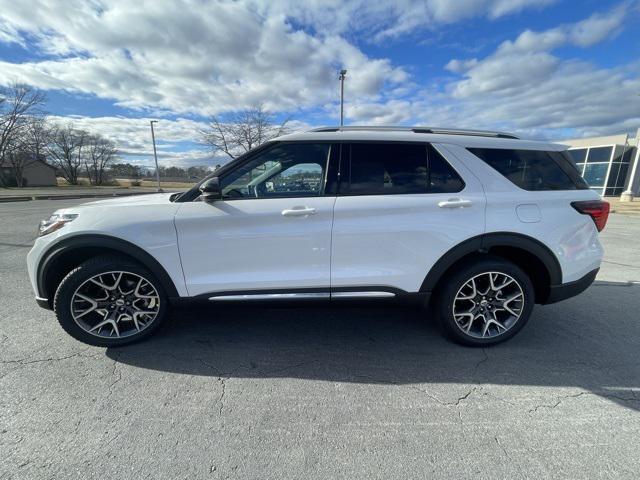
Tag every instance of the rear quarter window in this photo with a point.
(533, 170)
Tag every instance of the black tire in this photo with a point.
(450, 285)
(62, 303)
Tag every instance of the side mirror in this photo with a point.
(210, 190)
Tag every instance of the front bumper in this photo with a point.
(561, 292)
(34, 258)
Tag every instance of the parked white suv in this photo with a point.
(481, 225)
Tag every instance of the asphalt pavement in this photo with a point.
(322, 391)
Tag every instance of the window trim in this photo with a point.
(336, 168)
(345, 176)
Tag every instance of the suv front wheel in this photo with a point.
(485, 302)
(110, 301)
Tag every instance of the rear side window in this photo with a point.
(395, 168)
(442, 177)
(533, 169)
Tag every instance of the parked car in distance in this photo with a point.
(478, 225)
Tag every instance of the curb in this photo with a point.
(22, 198)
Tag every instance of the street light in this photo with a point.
(343, 74)
(155, 154)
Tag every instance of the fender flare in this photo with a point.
(103, 241)
(482, 243)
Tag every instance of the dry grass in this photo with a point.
(152, 183)
(125, 183)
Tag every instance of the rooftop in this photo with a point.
(435, 130)
(438, 135)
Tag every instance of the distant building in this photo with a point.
(608, 164)
(37, 173)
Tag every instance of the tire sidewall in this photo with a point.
(459, 277)
(75, 278)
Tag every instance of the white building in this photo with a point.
(608, 164)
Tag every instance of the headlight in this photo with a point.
(55, 222)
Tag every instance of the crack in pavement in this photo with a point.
(227, 376)
(483, 360)
(26, 361)
(113, 373)
(561, 399)
(222, 382)
(506, 454)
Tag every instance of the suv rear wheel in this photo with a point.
(485, 302)
(110, 301)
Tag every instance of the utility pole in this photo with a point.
(155, 154)
(343, 74)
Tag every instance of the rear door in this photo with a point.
(400, 207)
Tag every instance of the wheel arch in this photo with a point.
(67, 254)
(531, 255)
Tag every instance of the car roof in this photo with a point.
(463, 138)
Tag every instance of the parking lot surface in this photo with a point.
(322, 391)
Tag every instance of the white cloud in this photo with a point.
(211, 57)
(132, 137)
(525, 88)
(382, 20)
(194, 57)
(134, 134)
(182, 57)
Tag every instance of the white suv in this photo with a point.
(480, 225)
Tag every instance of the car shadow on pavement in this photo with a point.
(590, 342)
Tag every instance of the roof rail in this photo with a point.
(434, 130)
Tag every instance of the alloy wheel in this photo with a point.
(488, 305)
(115, 304)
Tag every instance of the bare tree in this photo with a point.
(65, 151)
(26, 146)
(244, 131)
(38, 135)
(98, 154)
(19, 108)
(16, 158)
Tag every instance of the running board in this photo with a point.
(270, 296)
(301, 295)
(369, 294)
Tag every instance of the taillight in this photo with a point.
(598, 210)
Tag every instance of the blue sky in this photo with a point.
(541, 68)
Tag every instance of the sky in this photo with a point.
(543, 69)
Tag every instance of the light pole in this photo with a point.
(155, 154)
(343, 74)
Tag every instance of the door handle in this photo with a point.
(455, 203)
(299, 212)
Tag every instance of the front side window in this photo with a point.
(286, 170)
(394, 168)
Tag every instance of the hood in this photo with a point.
(144, 199)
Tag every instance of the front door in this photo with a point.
(269, 234)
